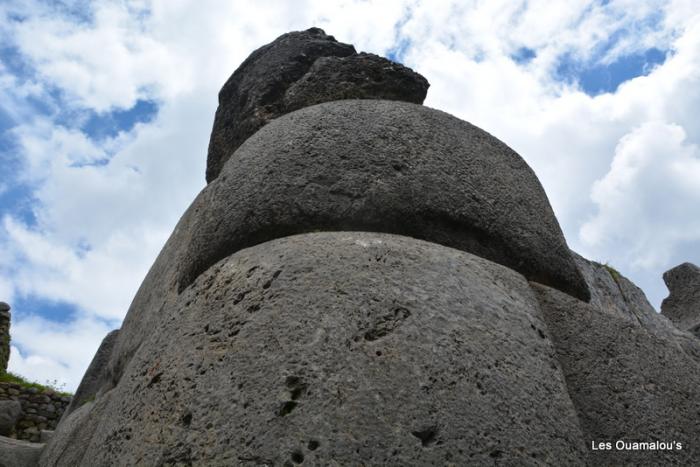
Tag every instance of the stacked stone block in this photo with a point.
(41, 410)
(4, 336)
(367, 281)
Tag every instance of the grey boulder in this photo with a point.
(97, 377)
(628, 383)
(252, 95)
(297, 70)
(381, 166)
(361, 76)
(16, 453)
(343, 348)
(682, 306)
(10, 413)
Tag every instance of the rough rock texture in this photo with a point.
(252, 95)
(682, 306)
(626, 382)
(15, 453)
(4, 336)
(361, 76)
(361, 165)
(67, 445)
(41, 410)
(296, 70)
(10, 412)
(97, 376)
(341, 348)
(382, 166)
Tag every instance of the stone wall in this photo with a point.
(4, 336)
(41, 409)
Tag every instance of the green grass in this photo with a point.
(613, 272)
(9, 377)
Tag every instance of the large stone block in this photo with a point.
(361, 76)
(10, 413)
(342, 348)
(381, 166)
(4, 336)
(16, 453)
(682, 306)
(252, 95)
(628, 382)
(97, 377)
(299, 69)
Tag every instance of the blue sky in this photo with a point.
(106, 108)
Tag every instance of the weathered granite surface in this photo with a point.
(343, 348)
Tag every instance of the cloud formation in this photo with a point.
(85, 212)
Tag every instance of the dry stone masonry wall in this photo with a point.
(41, 409)
(24, 411)
(367, 281)
(4, 336)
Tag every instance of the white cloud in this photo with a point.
(643, 200)
(52, 353)
(104, 207)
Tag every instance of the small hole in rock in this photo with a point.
(187, 419)
(287, 408)
(297, 457)
(292, 381)
(426, 436)
(496, 454)
(313, 444)
(296, 393)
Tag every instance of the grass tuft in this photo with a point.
(9, 377)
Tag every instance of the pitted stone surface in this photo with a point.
(361, 76)
(364, 165)
(252, 96)
(627, 382)
(343, 348)
(4, 336)
(381, 166)
(682, 306)
(10, 412)
(97, 377)
(613, 293)
(296, 70)
(16, 453)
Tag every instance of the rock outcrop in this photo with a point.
(373, 282)
(299, 359)
(96, 377)
(4, 336)
(626, 382)
(41, 409)
(10, 412)
(296, 70)
(16, 453)
(682, 306)
(380, 166)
